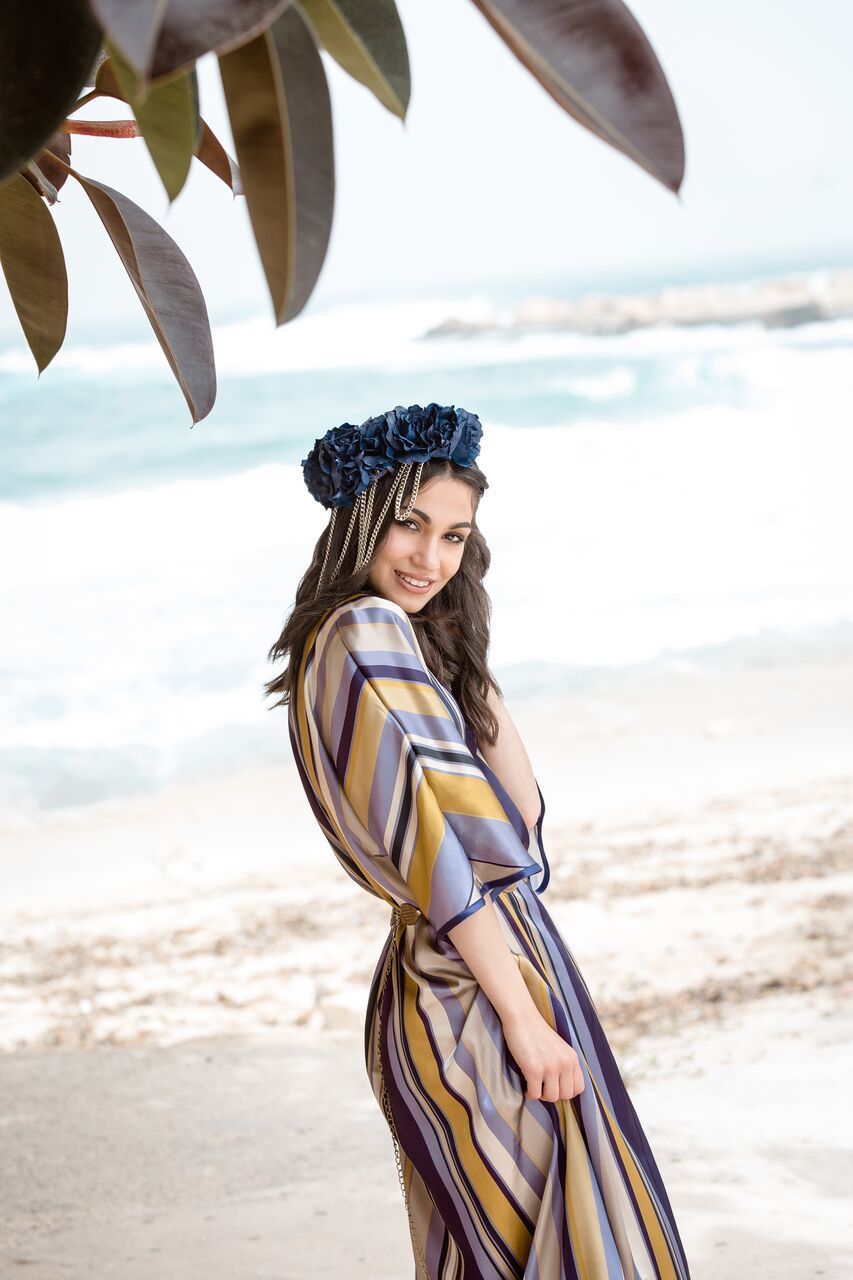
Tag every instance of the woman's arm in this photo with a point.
(511, 763)
(549, 1064)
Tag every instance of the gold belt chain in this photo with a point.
(400, 915)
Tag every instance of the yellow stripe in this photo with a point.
(580, 1199)
(412, 696)
(648, 1212)
(493, 1204)
(463, 793)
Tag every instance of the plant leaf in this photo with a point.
(45, 56)
(34, 266)
(212, 153)
(58, 147)
(167, 116)
(192, 28)
(132, 27)
(281, 118)
(366, 38)
(167, 288)
(594, 59)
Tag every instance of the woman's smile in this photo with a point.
(411, 583)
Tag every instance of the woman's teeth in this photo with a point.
(414, 584)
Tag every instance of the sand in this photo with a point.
(183, 978)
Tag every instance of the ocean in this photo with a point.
(674, 495)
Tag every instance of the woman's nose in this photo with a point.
(427, 555)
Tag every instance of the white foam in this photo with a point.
(136, 624)
(392, 336)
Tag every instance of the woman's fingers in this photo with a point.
(551, 1088)
(550, 1066)
(534, 1088)
(568, 1087)
(559, 1083)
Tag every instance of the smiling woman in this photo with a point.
(419, 555)
(518, 1149)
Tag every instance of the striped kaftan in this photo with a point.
(498, 1185)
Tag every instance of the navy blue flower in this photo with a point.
(377, 458)
(415, 435)
(347, 459)
(437, 431)
(333, 469)
(467, 444)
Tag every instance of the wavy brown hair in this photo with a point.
(452, 628)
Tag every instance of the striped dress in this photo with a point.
(497, 1185)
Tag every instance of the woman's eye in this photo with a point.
(413, 524)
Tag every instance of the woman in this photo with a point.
(518, 1149)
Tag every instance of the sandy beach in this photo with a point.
(183, 977)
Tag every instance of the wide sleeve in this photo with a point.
(417, 808)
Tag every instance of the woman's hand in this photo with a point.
(548, 1063)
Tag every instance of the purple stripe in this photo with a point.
(608, 1071)
(493, 1173)
(629, 1191)
(502, 1131)
(414, 1141)
(565, 1185)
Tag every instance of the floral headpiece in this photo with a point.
(342, 467)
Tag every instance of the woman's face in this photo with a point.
(428, 546)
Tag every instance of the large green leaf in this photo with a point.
(34, 267)
(595, 61)
(46, 51)
(281, 118)
(132, 26)
(167, 288)
(167, 116)
(192, 28)
(366, 37)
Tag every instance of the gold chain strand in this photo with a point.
(364, 523)
(400, 476)
(352, 522)
(396, 917)
(328, 549)
(416, 483)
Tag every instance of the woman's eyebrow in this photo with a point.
(460, 524)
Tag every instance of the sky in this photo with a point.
(488, 182)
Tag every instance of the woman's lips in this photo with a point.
(409, 587)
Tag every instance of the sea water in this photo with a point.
(655, 497)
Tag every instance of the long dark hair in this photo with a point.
(452, 628)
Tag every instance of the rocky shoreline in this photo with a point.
(780, 303)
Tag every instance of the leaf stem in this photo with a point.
(87, 98)
(102, 128)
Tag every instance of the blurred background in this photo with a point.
(673, 486)
(665, 386)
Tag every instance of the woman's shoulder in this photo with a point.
(365, 607)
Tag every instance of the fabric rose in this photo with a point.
(437, 431)
(333, 469)
(467, 445)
